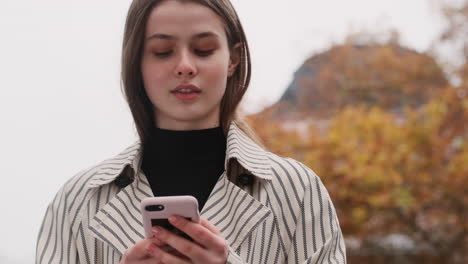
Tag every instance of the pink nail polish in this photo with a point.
(156, 231)
(173, 219)
(150, 249)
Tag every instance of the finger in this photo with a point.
(165, 257)
(157, 242)
(200, 234)
(139, 251)
(188, 248)
(209, 226)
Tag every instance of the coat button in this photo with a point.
(245, 179)
(122, 181)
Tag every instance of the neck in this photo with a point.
(187, 144)
(206, 122)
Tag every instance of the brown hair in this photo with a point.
(132, 80)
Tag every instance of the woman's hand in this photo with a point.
(208, 247)
(140, 252)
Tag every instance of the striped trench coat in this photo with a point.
(284, 215)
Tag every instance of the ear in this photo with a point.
(234, 59)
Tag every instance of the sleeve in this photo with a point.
(317, 238)
(55, 242)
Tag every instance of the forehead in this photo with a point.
(183, 19)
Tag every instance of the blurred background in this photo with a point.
(370, 94)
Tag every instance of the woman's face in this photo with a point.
(185, 43)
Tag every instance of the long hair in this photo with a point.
(132, 80)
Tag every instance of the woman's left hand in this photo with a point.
(208, 247)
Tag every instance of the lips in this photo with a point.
(186, 88)
(186, 92)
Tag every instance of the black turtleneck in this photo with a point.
(185, 162)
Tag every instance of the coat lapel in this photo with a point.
(230, 208)
(119, 222)
(233, 211)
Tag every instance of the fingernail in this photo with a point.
(150, 249)
(157, 231)
(173, 219)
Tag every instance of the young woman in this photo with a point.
(185, 68)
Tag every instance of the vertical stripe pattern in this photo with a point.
(284, 216)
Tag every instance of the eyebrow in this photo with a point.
(169, 37)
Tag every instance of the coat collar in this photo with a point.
(234, 211)
(240, 147)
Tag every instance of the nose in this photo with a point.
(185, 66)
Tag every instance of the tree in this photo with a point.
(454, 38)
(394, 151)
(391, 176)
(383, 74)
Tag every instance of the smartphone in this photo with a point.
(156, 211)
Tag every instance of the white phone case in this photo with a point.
(184, 205)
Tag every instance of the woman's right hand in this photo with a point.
(139, 253)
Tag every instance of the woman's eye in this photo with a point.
(162, 54)
(204, 52)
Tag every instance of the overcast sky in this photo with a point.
(60, 95)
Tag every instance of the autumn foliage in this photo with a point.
(391, 174)
(387, 75)
(388, 135)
